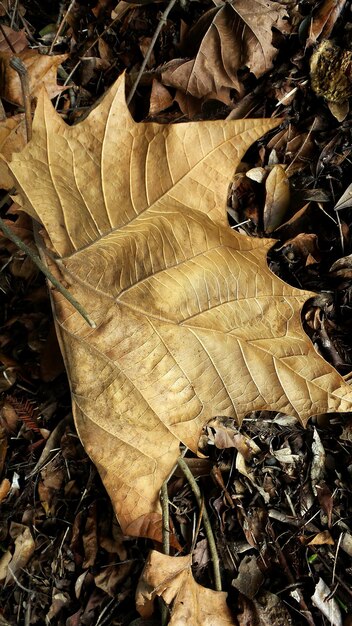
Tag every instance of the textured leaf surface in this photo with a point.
(190, 321)
(238, 34)
(42, 70)
(171, 578)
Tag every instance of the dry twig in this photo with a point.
(207, 526)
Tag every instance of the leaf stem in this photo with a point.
(207, 526)
(22, 72)
(42, 267)
(164, 497)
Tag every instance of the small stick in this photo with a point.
(197, 529)
(14, 11)
(207, 526)
(39, 263)
(164, 497)
(150, 49)
(62, 24)
(8, 41)
(21, 70)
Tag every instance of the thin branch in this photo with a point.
(62, 24)
(164, 497)
(7, 39)
(150, 49)
(197, 528)
(21, 70)
(207, 526)
(42, 267)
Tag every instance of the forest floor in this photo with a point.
(69, 562)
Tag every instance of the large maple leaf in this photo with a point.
(191, 323)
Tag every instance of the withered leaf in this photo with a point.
(42, 70)
(171, 578)
(239, 34)
(191, 323)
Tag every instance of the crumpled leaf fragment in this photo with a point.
(24, 548)
(190, 321)
(171, 578)
(267, 609)
(326, 603)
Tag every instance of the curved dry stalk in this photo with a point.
(207, 526)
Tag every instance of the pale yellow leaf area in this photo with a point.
(191, 323)
(171, 578)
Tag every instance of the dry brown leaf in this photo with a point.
(277, 199)
(24, 548)
(267, 609)
(17, 39)
(5, 487)
(160, 98)
(321, 539)
(171, 578)
(42, 69)
(324, 19)
(239, 34)
(191, 323)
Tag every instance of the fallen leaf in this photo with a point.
(24, 548)
(160, 98)
(238, 34)
(277, 198)
(17, 39)
(190, 321)
(4, 562)
(171, 578)
(267, 609)
(346, 199)
(42, 69)
(5, 487)
(111, 576)
(89, 538)
(321, 539)
(324, 19)
(3, 447)
(249, 578)
(59, 601)
(326, 603)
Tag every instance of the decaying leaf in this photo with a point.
(24, 548)
(42, 69)
(324, 19)
(326, 603)
(237, 35)
(17, 39)
(190, 321)
(171, 578)
(265, 610)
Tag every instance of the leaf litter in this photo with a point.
(315, 153)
